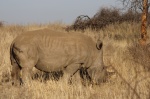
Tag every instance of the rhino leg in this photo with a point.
(26, 60)
(71, 73)
(26, 72)
(75, 77)
(15, 73)
(26, 75)
(86, 79)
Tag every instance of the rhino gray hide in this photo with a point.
(49, 50)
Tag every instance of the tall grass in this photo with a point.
(130, 79)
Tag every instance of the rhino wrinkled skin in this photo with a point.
(49, 50)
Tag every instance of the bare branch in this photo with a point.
(134, 5)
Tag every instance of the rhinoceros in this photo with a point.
(49, 50)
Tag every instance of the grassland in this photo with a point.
(122, 55)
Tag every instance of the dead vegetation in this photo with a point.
(105, 17)
(1, 24)
(141, 55)
(128, 61)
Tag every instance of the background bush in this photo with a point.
(104, 17)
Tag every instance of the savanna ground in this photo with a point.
(122, 55)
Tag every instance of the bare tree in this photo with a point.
(144, 23)
(139, 5)
(134, 5)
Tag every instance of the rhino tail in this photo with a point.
(99, 44)
(12, 59)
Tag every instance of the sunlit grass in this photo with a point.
(130, 80)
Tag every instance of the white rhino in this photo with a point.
(49, 50)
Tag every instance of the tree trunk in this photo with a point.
(144, 23)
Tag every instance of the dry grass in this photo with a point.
(130, 80)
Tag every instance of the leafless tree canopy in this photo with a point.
(104, 17)
(135, 5)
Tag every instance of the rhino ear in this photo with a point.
(99, 44)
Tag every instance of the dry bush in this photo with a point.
(105, 17)
(82, 22)
(130, 16)
(1, 24)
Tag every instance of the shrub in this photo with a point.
(1, 23)
(104, 17)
